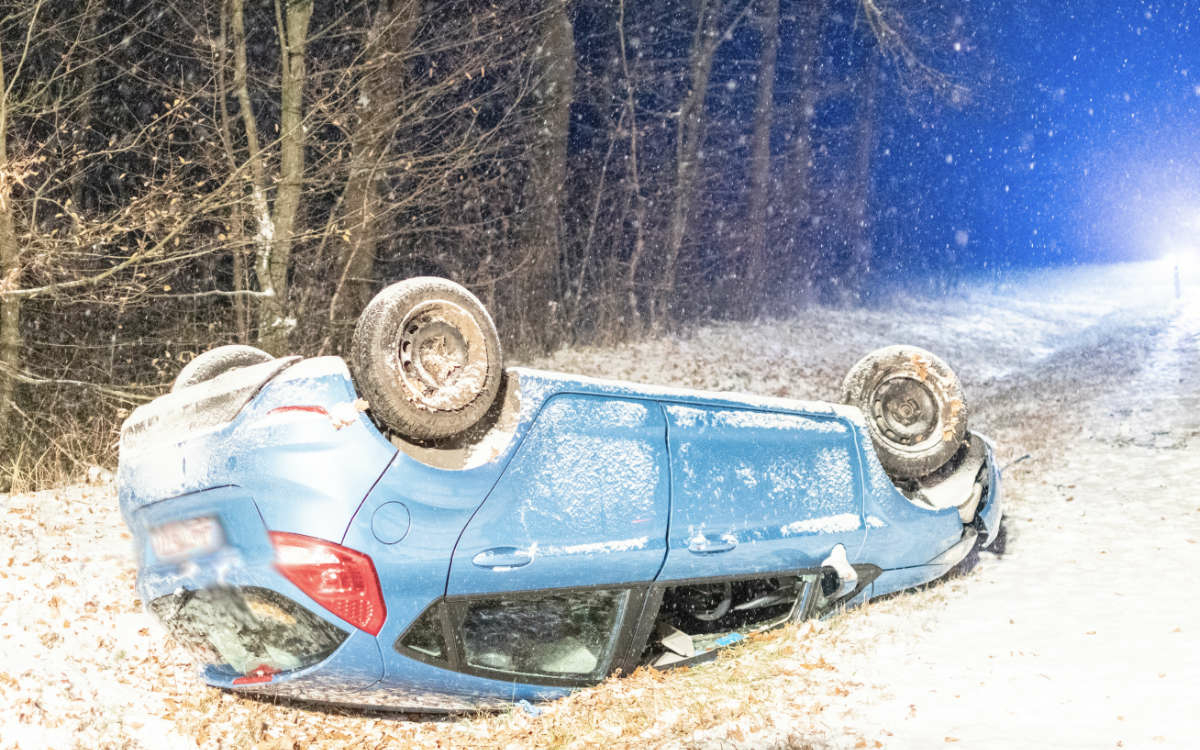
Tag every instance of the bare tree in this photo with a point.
(187, 173)
(909, 49)
(276, 219)
(630, 116)
(757, 258)
(540, 233)
(381, 92)
(710, 31)
(859, 237)
(10, 271)
(55, 254)
(797, 184)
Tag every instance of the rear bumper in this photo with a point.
(245, 559)
(354, 673)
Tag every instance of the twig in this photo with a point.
(1014, 462)
(23, 376)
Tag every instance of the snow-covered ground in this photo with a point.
(1082, 633)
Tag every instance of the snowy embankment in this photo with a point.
(1081, 634)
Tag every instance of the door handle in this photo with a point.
(704, 546)
(502, 557)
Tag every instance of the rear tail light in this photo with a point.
(302, 409)
(340, 579)
(339, 415)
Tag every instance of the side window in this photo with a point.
(425, 636)
(566, 634)
(696, 617)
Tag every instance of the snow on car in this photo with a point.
(438, 532)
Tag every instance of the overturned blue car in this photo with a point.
(424, 529)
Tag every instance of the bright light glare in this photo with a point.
(1176, 259)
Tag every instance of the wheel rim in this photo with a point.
(443, 363)
(905, 411)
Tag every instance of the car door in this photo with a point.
(756, 491)
(583, 502)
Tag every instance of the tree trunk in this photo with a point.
(275, 318)
(797, 197)
(256, 173)
(542, 197)
(690, 129)
(362, 205)
(82, 121)
(753, 290)
(689, 134)
(860, 207)
(237, 221)
(638, 254)
(276, 224)
(10, 278)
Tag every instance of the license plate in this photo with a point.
(179, 540)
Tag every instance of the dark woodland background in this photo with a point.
(180, 174)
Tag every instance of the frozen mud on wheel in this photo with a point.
(914, 408)
(213, 362)
(427, 358)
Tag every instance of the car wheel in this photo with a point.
(427, 358)
(914, 408)
(213, 362)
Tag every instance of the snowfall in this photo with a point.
(1076, 630)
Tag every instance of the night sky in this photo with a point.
(1079, 142)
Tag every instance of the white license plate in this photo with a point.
(178, 540)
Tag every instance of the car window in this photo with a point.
(241, 630)
(566, 634)
(696, 617)
(425, 637)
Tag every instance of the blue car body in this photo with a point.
(575, 541)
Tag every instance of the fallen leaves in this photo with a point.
(95, 670)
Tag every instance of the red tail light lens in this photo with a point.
(305, 409)
(341, 580)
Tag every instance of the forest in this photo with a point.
(176, 175)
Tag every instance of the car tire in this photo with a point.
(427, 358)
(213, 362)
(914, 408)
